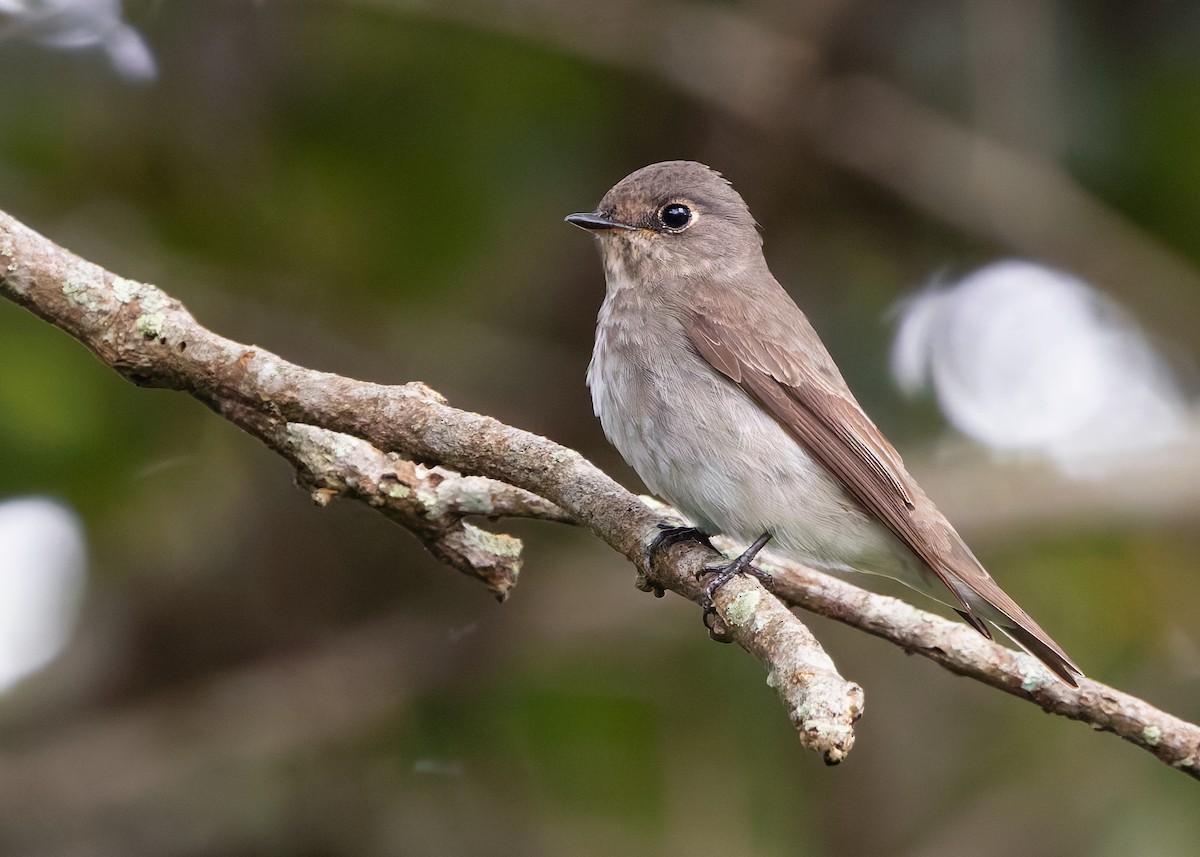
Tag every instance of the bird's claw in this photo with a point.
(671, 535)
(717, 629)
(668, 535)
(722, 574)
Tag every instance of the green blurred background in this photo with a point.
(377, 188)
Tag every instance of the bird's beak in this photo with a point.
(592, 222)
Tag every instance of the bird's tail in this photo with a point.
(987, 601)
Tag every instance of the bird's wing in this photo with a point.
(810, 400)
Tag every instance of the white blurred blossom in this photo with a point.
(78, 24)
(43, 563)
(1024, 358)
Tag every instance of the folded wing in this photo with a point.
(818, 410)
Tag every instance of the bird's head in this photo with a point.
(681, 214)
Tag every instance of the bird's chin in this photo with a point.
(631, 246)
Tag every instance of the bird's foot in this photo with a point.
(668, 535)
(722, 574)
(671, 535)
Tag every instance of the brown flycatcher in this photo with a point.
(715, 388)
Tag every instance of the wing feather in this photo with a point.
(821, 414)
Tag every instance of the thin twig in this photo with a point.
(961, 650)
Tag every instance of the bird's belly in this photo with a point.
(700, 443)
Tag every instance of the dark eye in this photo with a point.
(675, 215)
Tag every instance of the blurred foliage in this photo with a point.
(381, 193)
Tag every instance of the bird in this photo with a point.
(715, 388)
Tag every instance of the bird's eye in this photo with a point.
(675, 215)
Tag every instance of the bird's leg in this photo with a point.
(670, 535)
(721, 576)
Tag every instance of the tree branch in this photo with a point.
(963, 651)
(430, 502)
(333, 428)
(152, 340)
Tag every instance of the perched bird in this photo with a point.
(715, 388)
